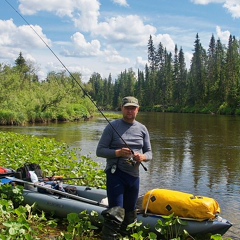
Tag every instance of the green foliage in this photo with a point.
(225, 109)
(80, 226)
(54, 158)
(23, 99)
(110, 116)
(7, 117)
(218, 237)
(20, 222)
(15, 194)
(14, 221)
(138, 231)
(170, 228)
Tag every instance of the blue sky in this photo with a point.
(109, 36)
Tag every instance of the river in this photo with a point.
(193, 153)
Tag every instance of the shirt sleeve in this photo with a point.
(147, 149)
(103, 147)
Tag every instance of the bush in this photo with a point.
(225, 109)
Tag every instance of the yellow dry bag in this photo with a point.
(166, 202)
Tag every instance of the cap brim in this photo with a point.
(130, 104)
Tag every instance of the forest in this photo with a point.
(210, 85)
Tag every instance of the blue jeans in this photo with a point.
(122, 190)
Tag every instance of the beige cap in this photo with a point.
(130, 101)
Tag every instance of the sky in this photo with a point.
(108, 36)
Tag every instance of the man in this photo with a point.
(125, 143)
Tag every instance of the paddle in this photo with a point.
(65, 194)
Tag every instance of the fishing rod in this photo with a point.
(71, 75)
(61, 178)
(59, 192)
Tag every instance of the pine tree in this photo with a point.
(232, 72)
(197, 73)
(151, 54)
(211, 70)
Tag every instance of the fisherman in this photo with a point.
(125, 143)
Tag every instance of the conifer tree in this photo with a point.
(151, 54)
(197, 73)
(232, 72)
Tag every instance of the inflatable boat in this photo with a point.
(77, 199)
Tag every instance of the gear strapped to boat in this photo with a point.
(166, 202)
(31, 172)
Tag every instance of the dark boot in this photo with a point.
(113, 218)
(130, 217)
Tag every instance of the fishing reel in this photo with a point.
(131, 161)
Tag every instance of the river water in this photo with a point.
(198, 154)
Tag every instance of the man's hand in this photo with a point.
(138, 157)
(124, 152)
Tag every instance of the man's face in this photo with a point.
(129, 113)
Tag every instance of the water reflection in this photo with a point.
(197, 154)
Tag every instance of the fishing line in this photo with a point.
(64, 66)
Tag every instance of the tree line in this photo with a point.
(209, 85)
(25, 99)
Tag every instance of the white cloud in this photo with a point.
(6, 29)
(61, 8)
(84, 48)
(9, 53)
(115, 31)
(27, 36)
(83, 13)
(23, 36)
(222, 35)
(130, 29)
(29, 58)
(117, 59)
(140, 63)
(205, 2)
(119, 30)
(121, 2)
(166, 41)
(233, 6)
(57, 67)
(14, 40)
(113, 38)
(87, 19)
(85, 71)
(188, 57)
